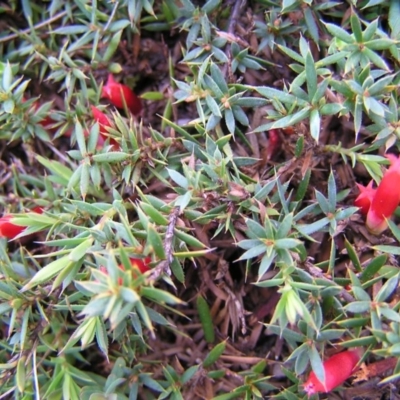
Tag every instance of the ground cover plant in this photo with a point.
(199, 200)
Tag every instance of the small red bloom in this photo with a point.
(365, 197)
(118, 93)
(104, 123)
(140, 264)
(101, 118)
(337, 369)
(10, 230)
(386, 198)
(274, 143)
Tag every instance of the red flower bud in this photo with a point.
(365, 197)
(337, 369)
(118, 93)
(386, 198)
(10, 230)
(142, 264)
(101, 118)
(274, 143)
(104, 123)
(137, 264)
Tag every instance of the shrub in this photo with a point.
(200, 240)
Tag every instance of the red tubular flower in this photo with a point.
(9, 230)
(337, 369)
(118, 93)
(101, 118)
(365, 197)
(386, 198)
(104, 123)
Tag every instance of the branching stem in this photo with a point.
(164, 266)
(38, 26)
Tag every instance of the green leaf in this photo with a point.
(286, 243)
(316, 364)
(189, 239)
(332, 191)
(154, 214)
(285, 227)
(178, 178)
(388, 249)
(290, 120)
(394, 20)
(160, 296)
(79, 252)
(358, 307)
(375, 59)
(177, 270)
(71, 30)
(214, 354)
(266, 262)
(129, 295)
(353, 255)
(373, 268)
(58, 169)
(218, 78)
(155, 241)
(230, 120)
(112, 46)
(20, 376)
(284, 97)
(311, 24)
(339, 33)
(183, 201)
(389, 313)
(114, 156)
(356, 27)
(331, 109)
(152, 96)
(253, 252)
(48, 272)
(387, 289)
(315, 124)
(213, 106)
(291, 54)
(205, 318)
(270, 282)
(180, 130)
(311, 75)
(7, 77)
(256, 229)
(302, 187)
(313, 227)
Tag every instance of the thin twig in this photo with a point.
(233, 19)
(4, 395)
(112, 15)
(164, 266)
(317, 272)
(38, 26)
